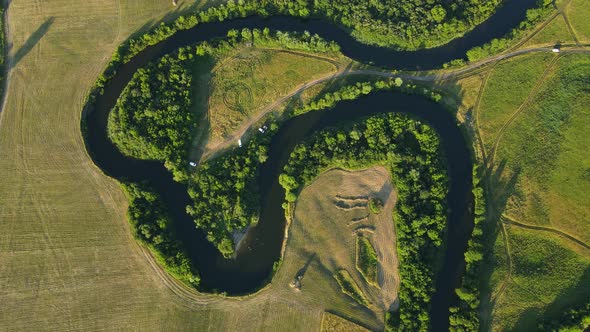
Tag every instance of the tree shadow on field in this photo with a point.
(31, 41)
(302, 270)
(571, 297)
(499, 186)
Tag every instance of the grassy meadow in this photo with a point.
(547, 278)
(243, 83)
(578, 12)
(507, 86)
(538, 177)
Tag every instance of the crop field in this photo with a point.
(334, 323)
(245, 82)
(327, 218)
(67, 258)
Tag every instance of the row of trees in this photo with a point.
(465, 316)
(403, 24)
(353, 91)
(153, 226)
(497, 45)
(225, 192)
(410, 150)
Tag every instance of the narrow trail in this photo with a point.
(460, 73)
(570, 29)
(497, 294)
(476, 111)
(523, 106)
(511, 221)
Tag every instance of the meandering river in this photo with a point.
(261, 248)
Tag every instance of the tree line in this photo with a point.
(465, 315)
(152, 225)
(411, 151)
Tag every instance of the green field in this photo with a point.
(507, 87)
(538, 180)
(578, 12)
(547, 278)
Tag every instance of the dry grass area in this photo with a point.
(328, 215)
(67, 259)
(247, 81)
(335, 323)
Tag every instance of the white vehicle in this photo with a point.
(261, 130)
(555, 50)
(240, 142)
(192, 163)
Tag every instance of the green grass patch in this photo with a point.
(547, 278)
(349, 287)
(578, 13)
(547, 145)
(507, 87)
(375, 205)
(366, 260)
(554, 33)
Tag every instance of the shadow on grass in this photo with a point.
(571, 297)
(499, 186)
(31, 41)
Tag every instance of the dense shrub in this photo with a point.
(575, 319)
(153, 226)
(153, 118)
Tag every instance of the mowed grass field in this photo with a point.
(328, 216)
(67, 258)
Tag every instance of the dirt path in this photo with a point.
(476, 111)
(460, 73)
(521, 108)
(510, 221)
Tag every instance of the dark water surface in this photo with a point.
(253, 265)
